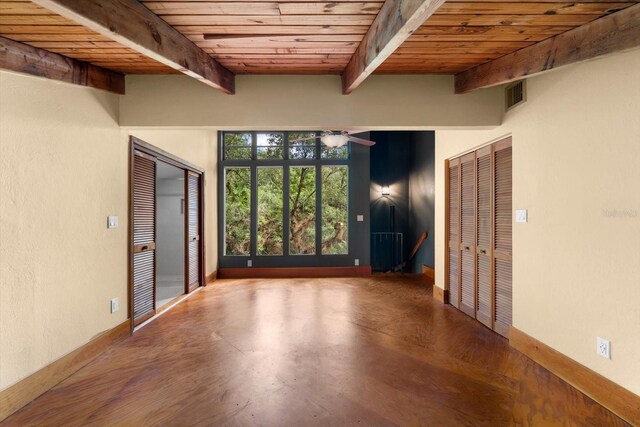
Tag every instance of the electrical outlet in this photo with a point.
(249, 263)
(603, 347)
(356, 262)
(115, 305)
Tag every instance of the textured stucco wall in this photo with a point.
(576, 263)
(383, 102)
(63, 169)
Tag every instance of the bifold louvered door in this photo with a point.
(193, 231)
(484, 189)
(468, 234)
(479, 235)
(453, 260)
(144, 237)
(502, 269)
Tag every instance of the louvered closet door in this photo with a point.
(454, 233)
(193, 231)
(502, 236)
(484, 302)
(468, 235)
(144, 237)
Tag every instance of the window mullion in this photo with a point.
(318, 207)
(254, 211)
(286, 187)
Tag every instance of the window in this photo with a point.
(237, 145)
(300, 146)
(302, 210)
(335, 153)
(237, 203)
(270, 145)
(335, 208)
(284, 196)
(270, 231)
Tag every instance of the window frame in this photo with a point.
(286, 259)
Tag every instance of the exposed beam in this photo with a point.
(133, 25)
(20, 57)
(395, 22)
(616, 32)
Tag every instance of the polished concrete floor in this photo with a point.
(373, 351)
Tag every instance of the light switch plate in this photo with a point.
(360, 218)
(522, 215)
(356, 262)
(112, 221)
(249, 263)
(115, 305)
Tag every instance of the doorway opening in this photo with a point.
(170, 210)
(165, 230)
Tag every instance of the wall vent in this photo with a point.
(515, 94)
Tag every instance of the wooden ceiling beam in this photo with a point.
(22, 58)
(395, 22)
(133, 25)
(613, 33)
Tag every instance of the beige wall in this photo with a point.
(198, 147)
(576, 155)
(63, 169)
(308, 102)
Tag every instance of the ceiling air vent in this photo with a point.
(515, 94)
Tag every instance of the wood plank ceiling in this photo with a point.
(313, 37)
(34, 25)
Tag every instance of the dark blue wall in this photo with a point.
(422, 197)
(404, 160)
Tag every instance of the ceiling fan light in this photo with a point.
(334, 141)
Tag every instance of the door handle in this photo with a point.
(144, 247)
(483, 251)
(466, 248)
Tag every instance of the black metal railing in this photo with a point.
(386, 251)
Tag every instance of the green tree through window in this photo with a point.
(270, 230)
(237, 204)
(259, 170)
(335, 209)
(302, 210)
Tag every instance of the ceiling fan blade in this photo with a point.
(305, 139)
(361, 141)
(356, 131)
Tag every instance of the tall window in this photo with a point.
(302, 210)
(269, 230)
(237, 203)
(335, 208)
(285, 196)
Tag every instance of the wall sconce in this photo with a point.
(385, 190)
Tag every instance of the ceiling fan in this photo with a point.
(335, 140)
